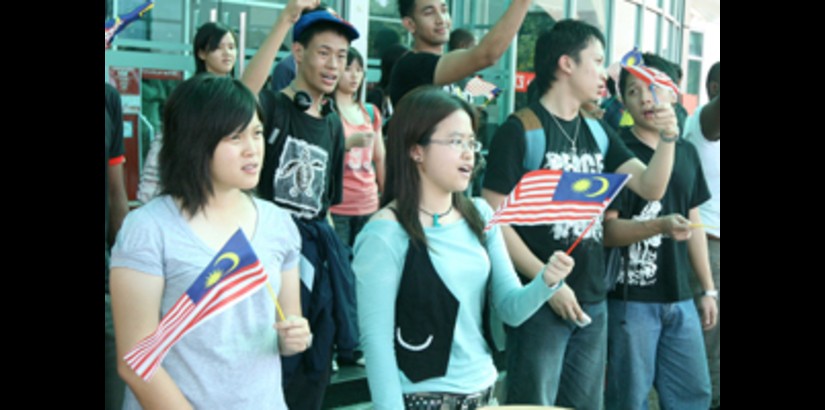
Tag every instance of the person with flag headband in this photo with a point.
(654, 332)
(222, 339)
(551, 361)
(426, 269)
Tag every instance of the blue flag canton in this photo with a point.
(584, 187)
(236, 255)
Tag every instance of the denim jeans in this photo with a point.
(347, 227)
(551, 361)
(656, 344)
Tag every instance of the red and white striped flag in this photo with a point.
(652, 76)
(545, 196)
(480, 88)
(233, 274)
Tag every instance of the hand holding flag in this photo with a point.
(634, 64)
(232, 275)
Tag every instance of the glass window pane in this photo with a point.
(593, 12)
(696, 43)
(384, 8)
(694, 76)
(542, 16)
(624, 28)
(553, 8)
(649, 33)
(163, 23)
(665, 35)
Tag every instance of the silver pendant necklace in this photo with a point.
(575, 133)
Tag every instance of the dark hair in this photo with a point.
(197, 115)
(567, 37)
(320, 27)
(208, 38)
(406, 8)
(391, 55)
(414, 122)
(713, 75)
(677, 70)
(460, 38)
(611, 86)
(385, 39)
(650, 60)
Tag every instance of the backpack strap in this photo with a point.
(599, 133)
(371, 111)
(535, 140)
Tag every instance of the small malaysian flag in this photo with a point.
(232, 275)
(652, 76)
(480, 88)
(545, 196)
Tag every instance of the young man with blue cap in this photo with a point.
(303, 173)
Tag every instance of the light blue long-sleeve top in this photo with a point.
(464, 266)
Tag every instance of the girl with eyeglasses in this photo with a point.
(426, 269)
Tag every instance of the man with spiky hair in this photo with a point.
(430, 24)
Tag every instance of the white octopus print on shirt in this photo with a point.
(301, 176)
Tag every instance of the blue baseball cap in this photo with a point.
(317, 16)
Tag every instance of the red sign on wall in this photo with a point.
(156, 74)
(523, 80)
(125, 79)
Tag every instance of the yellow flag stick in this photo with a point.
(275, 299)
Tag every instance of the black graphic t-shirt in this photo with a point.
(505, 168)
(304, 159)
(658, 269)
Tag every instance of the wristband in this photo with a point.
(712, 293)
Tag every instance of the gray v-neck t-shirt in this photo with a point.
(230, 360)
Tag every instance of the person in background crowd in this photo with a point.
(704, 130)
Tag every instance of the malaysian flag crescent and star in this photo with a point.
(545, 196)
(233, 274)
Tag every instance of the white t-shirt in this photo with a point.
(709, 154)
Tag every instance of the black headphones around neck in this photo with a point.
(302, 99)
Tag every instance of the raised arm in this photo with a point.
(650, 181)
(259, 67)
(460, 64)
(136, 299)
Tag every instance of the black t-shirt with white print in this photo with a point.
(505, 168)
(304, 165)
(659, 269)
